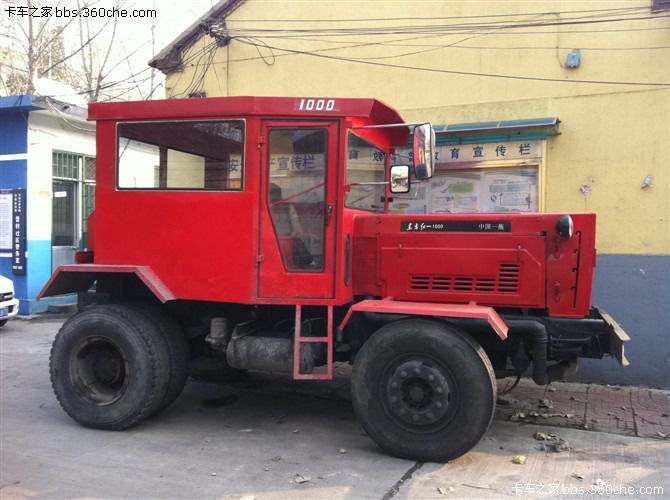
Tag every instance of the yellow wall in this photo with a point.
(612, 136)
(609, 142)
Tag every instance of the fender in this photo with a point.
(470, 311)
(79, 278)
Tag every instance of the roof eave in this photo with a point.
(169, 59)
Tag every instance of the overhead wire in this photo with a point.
(466, 73)
(358, 44)
(545, 32)
(443, 17)
(435, 28)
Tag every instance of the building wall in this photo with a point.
(611, 136)
(13, 169)
(28, 136)
(276, 68)
(609, 143)
(48, 131)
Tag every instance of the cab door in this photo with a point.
(296, 257)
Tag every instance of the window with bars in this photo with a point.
(73, 198)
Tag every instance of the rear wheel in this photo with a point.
(423, 390)
(110, 367)
(177, 345)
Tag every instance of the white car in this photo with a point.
(9, 305)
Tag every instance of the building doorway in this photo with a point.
(73, 201)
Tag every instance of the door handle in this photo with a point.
(329, 212)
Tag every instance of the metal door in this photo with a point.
(296, 255)
(64, 232)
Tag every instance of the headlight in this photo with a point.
(565, 227)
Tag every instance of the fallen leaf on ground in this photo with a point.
(442, 490)
(599, 482)
(546, 403)
(506, 400)
(540, 436)
(519, 459)
(663, 435)
(577, 476)
(560, 445)
(342, 450)
(299, 479)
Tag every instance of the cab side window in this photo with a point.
(198, 155)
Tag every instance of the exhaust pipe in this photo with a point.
(540, 340)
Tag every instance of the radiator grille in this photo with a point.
(507, 281)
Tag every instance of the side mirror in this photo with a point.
(400, 179)
(424, 150)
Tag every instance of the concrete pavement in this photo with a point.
(273, 438)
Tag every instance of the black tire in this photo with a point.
(423, 390)
(214, 368)
(110, 367)
(3, 322)
(177, 346)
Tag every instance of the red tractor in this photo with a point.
(254, 233)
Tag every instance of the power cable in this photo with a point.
(438, 28)
(466, 73)
(644, 9)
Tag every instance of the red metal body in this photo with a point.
(471, 311)
(221, 246)
(528, 267)
(80, 277)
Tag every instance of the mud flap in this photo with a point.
(617, 337)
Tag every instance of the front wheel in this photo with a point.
(423, 390)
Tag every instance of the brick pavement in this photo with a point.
(632, 411)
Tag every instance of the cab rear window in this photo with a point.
(186, 155)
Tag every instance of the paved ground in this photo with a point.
(259, 437)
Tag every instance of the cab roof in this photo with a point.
(360, 111)
(244, 106)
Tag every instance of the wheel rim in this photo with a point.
(99, 371)
(418, 394)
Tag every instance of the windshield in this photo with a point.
(366, 175)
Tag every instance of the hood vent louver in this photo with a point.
(507, 281)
